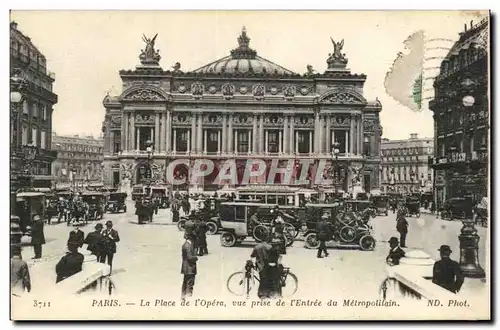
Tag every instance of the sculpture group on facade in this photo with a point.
(337, 60)
(149, 55)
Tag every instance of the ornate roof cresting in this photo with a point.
(243, 51)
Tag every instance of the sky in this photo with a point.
(86, 50)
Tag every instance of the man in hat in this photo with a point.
(37, 236)
(94, 241)
(20, 281)
(188, 267)
(402, 228)
(110, 238)
(395, 253)
(70, 264)
(324, 234)
(76, 235)
(262, 253)
(446, 272)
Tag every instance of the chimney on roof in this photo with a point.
(13, 25)
(471, 23)
(413, 136)
(465, 27)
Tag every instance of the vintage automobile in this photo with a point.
(212, 206)
(160, 192)
(356, 205)
(96, 202)
(116, 202)
(236, 224)
(413, 206)
(457, 208)
(381, 204)
(27, 205)
(138, 191)
(349, 229)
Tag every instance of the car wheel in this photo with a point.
(260, 233)
(212, 228)
(367, 243)
(227, 239)
(312, 241)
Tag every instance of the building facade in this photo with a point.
(405, 165)
(239, 107)
(31, 119)
(461, 117)
(79, 160)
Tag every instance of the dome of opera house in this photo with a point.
(243, 60)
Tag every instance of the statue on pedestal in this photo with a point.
(150, 56)
(337, 60)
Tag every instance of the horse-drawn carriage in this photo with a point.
(348, 228)
(116, 202)
(458, 208)
(95, 202)
(412, 204)
(27, 205)
(380, 204)
(236, 223)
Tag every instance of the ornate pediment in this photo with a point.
(143, 94)
(342, 96)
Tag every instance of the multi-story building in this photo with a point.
(404, 165)
(240, 107)
(461, 117)
(31, 119)
(79, 160)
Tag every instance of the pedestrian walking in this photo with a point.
(201, 236)
(324, 234)
(446, 272)
(95, 241)
(37, 236)
(188, 267)
(20, 281)
(402, 228)
(70, 264)
(110, 238)
(76, 236)
(395, 253)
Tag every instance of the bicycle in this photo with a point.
(244, 281)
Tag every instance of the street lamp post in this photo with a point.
(335, 158)
(468, 238)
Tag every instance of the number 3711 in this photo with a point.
(41, 304)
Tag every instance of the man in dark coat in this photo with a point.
(201, 236)
(446, 272)
(37, 236)
(402, 228)
(110, 238)
(188, 267)
(261, 252)
(395, 253)
(20, 281)
(94, 241)
(70, 264)
(76, 235)
(324, 235)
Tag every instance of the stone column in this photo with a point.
(280, 148)
(250, 141)
(199, 144)
(321, 139)
(347, 141)
(291, 135)
(351, 137)
(168, 128)
(157, 133)
(205, 141)
(124, 131)
(360, 135)
(254, 134)
(285, 143)
(261, 134)
(296, 142)
(137, 139)
(316, 132)
(192, 139)
(224, 133)
(265, 141)
(174, 147)
(235, 141)
(311, 141)
(230, 134)
(219, 142)
(131, 129)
